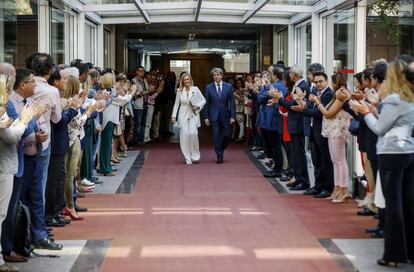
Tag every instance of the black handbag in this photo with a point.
(354, 127)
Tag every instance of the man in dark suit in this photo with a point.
(295, 128)
(324, 179)
(220, 112)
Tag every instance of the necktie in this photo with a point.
(24, 101)
(219, 90)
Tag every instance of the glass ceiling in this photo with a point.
(276, 12)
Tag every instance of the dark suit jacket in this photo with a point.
(295, 119)
(269, 117)
(31, 127)
(219, 109)
(313, 111)
(60, 135)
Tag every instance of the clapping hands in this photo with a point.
(27, 113)
(74, 102)
(39, 109)
(315, 99)
(273, 93)
(5, 121)
(359, 106)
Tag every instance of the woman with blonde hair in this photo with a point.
(10, 134)
(189, 102)
(110, 120)
(395, 148)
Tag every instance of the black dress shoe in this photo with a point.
(62, 220)
(47, 243)
(299, 187)
(378, 234)
(219, 161)
(365, 212)
(294, 184)
(53, 223)
(285, 178)
(373, 229)
(80, 209)
(323, 194)
(272, 174)
(312, 191)
(383, 262)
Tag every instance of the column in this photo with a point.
(44, 26)
(316, 38)
(291, 44)
(100, 46)
(81, 36)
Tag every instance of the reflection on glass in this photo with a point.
(18, 30)
(340, 33)
(180, 66)
(379, 45)
(57, 33)
(304, 45)
(237, 63)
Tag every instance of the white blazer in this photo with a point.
(183, 107)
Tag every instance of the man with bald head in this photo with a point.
(10, 71)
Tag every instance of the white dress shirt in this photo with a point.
(48, 95)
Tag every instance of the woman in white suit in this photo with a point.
(188, 104)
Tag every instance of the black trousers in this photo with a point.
(397, 180)
(322, 163)
(55, 186)
(273, 145)
(300, 166)
(289, 155)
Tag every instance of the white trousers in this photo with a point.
(240, 122)
(6, 189)
(189, 140)
(148, 122)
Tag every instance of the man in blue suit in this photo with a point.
(271, 121)
(220, 112)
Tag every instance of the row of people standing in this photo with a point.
(58, 123)
(381, 105)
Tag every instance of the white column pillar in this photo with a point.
(360, 61)
(360, 36)
(44, 26)
(291, 44)
(316, 38)
(100, 46)
(81, 36)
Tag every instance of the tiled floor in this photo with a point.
(208, 218)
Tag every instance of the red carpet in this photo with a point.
(210, 217)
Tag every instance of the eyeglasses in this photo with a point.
(31, 81)
(319, 81)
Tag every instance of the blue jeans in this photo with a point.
(44, 165)
(9, 223)
(31, 195)
(139, 125)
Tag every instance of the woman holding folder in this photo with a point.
(188, 104)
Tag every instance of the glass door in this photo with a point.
(57, 33)
(339, 38)
(303, 41)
